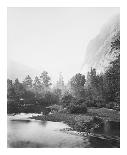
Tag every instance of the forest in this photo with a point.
(93, 90)
(63, 77)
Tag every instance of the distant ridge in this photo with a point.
(20, 71)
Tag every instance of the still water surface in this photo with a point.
(25, 132)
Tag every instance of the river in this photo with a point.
(24, 132)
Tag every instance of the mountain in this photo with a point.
(98, 52)
(20, 71)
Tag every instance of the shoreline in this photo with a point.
(70, 119)
(77, 123)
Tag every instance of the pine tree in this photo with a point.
(45, 80)
(37, 85)
(27, 83)
(19, 89)
(60, 82)
(10, 89)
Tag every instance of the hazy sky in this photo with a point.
(53, 39)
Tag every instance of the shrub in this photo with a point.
(64, 110)
(55, 108)
(89, 103)
(66, 99)
(113, 105)
(98, 124)
(82, 126)
(77, 107)
(12, 107)
(94, 125)
(117, 107)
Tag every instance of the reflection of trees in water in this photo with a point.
(86, 141)
(22, 121)
(43, 123)
(103, 142)
(26, 144)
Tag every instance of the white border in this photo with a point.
(3, 73)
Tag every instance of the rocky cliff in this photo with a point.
(99, 53)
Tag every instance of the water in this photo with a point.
(25, 132)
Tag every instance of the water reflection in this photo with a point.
(43, 123)
(29, 133)
(26, 121)
(35, 133)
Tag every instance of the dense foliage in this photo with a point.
(77, 107)
(93, 90)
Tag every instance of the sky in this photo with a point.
(53, 39)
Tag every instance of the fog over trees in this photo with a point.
(93, 89)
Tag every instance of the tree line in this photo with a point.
(93, 90)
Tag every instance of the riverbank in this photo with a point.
(69, 119)
(66, 126)
(83, 122)
(102, 125)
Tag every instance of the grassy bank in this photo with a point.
(104, 113)
(83, 122)
(70, 119)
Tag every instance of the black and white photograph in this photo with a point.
(63, 77)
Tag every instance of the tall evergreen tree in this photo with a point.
(37, 85)
(45, 79)
(10, 89)
(60, 82)
(27, 83)
(19, 89)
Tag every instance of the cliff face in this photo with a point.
(98, 53)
